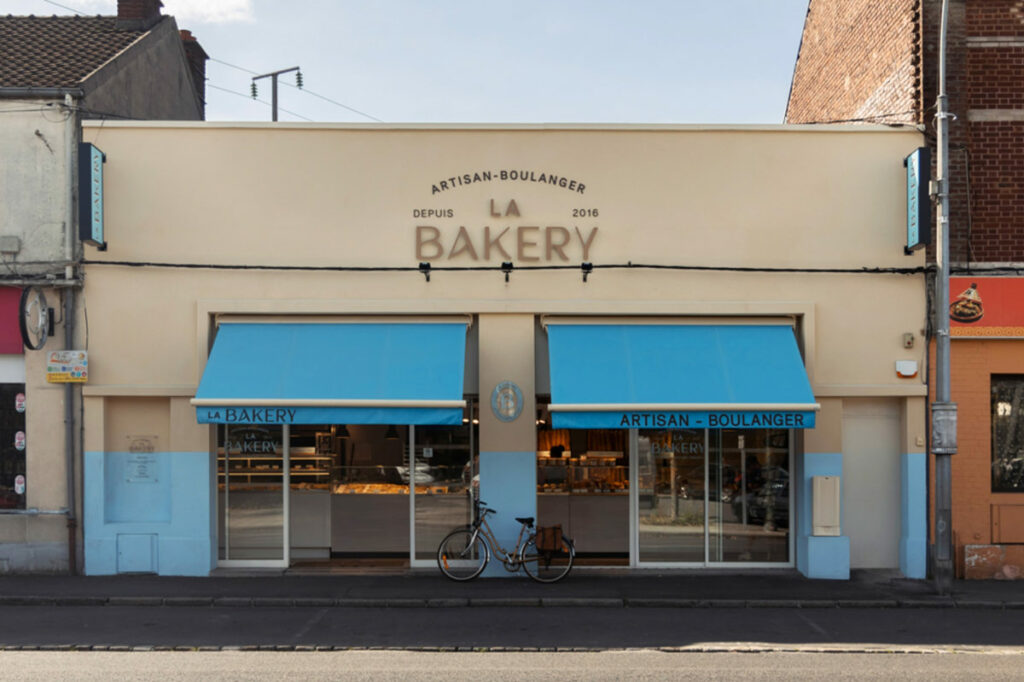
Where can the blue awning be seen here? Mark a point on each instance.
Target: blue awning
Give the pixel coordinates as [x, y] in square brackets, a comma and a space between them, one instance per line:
[677, 376]
[334, 373]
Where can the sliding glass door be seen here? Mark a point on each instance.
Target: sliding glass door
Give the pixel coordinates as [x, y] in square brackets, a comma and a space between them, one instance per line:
[252, 484]
[712, 497]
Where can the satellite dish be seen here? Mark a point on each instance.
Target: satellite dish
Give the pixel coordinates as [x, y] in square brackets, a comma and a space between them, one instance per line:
[34, 318]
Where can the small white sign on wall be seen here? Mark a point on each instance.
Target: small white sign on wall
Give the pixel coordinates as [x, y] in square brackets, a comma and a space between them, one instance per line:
[142, 463]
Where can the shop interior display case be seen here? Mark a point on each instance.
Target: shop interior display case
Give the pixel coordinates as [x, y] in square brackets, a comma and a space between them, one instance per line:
[583, 484]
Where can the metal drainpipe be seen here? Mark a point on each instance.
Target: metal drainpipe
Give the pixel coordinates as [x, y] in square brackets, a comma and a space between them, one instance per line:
[71, 147]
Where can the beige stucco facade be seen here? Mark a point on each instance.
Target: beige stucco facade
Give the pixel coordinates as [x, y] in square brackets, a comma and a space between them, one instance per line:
[784, 219]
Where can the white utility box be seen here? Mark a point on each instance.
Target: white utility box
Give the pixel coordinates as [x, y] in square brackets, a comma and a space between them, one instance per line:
[825, 505]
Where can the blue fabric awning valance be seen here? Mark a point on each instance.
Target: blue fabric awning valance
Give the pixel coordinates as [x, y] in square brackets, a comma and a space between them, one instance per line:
[677, 376]
[334, 373]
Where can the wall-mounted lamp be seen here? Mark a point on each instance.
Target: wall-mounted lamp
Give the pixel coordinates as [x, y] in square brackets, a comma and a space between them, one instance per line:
[506, 267]
[587, 268]
[425, 270]
[342, 432]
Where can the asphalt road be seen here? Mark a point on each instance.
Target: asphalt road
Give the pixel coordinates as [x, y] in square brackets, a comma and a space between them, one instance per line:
[490, 628]
[402, 665]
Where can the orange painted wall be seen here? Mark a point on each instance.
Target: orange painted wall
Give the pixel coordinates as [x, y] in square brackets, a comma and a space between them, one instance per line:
[972, 362]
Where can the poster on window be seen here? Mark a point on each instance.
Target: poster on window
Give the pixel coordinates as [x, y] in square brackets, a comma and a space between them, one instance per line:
[13, 446]
[989, 307]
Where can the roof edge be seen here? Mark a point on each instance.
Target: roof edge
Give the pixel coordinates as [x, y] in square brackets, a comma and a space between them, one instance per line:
[472, 127]
[48, 93]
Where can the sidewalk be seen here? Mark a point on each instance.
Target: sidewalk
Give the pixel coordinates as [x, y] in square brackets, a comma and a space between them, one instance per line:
[583, 588]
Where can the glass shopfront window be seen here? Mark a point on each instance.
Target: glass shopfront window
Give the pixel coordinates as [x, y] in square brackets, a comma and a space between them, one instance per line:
[1007, 433]
[583, 485]
[250, 467]
[749, 496]
[712, 496]
[447, 480]
[347, 490]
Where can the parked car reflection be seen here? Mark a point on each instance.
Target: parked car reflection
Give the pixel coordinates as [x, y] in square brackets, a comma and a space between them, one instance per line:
[768, 501]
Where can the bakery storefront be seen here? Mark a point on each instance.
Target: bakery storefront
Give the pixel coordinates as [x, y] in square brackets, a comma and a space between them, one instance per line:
[317, 344]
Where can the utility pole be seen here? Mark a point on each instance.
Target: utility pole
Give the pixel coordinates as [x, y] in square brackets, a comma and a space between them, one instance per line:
[943, 411]
[273, 80]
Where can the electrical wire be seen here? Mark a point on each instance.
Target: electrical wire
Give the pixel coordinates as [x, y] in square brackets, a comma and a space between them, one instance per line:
[302, 89]
[866, 119]
[517, 268]
[70, 9]
[261, 101]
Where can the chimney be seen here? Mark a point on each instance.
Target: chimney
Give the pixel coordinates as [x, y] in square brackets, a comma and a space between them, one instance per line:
[138, 15]
[197, 57]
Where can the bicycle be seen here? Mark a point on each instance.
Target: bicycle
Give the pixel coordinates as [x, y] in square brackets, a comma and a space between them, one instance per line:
[465, 552]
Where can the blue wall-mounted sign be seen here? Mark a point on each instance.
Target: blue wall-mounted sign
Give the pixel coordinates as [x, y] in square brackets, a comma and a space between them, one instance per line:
[697, 419]
[90, 195]
[507, 401]
[919, 202]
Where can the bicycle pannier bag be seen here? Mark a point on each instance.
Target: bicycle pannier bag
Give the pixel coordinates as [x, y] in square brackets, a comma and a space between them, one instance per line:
[549, 539]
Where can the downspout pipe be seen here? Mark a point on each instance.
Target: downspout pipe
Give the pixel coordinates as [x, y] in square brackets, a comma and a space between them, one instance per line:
[71, 128]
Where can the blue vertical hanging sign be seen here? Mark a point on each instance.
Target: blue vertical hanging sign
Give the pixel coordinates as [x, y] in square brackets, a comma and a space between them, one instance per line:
[90, 195]
[919, 203]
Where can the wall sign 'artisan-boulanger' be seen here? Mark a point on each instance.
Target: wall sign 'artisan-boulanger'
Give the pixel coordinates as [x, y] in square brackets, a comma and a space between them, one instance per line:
[505, 229]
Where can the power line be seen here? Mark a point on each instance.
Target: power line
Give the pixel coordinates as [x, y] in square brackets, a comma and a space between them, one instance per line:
[303, 89]
[867, 119]
[70, 9]
[261, 101]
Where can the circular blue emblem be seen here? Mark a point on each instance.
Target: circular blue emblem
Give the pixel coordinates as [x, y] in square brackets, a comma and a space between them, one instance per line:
[507, 401]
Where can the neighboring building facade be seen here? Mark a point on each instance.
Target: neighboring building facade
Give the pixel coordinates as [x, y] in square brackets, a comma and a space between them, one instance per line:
[55, 72]
[315, 342]
[878, 62]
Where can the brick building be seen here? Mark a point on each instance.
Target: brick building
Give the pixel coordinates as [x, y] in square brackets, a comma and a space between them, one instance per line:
[863, 61]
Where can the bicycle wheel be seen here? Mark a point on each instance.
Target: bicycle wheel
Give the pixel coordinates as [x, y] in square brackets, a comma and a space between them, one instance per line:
[462, 555]
[547, 567]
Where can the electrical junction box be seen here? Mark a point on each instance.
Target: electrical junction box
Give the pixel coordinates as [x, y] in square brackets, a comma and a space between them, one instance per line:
[825, 493]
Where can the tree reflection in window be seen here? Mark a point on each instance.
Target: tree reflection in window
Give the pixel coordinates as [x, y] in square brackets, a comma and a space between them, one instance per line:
[1007, 433]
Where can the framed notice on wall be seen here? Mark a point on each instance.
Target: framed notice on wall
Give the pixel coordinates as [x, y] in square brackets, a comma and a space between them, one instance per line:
[67, 366]
[986, 307]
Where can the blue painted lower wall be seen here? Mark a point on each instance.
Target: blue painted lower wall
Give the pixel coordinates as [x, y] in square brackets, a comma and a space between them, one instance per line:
[148, 513]
[914, 515]
[819, 557]
[508, 484]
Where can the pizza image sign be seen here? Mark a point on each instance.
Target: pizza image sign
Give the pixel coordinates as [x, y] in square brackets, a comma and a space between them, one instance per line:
[986, 307]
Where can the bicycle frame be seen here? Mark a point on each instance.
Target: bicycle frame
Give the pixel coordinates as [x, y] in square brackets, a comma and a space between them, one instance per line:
[510, 560]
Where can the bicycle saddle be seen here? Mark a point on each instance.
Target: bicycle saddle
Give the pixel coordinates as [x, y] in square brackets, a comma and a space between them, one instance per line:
[528, 520]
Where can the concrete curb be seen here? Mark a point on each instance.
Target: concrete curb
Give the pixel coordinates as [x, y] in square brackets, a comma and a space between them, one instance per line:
[505, 602]
[695, 649]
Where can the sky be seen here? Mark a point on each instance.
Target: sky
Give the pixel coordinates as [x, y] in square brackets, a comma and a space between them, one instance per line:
[484, 61]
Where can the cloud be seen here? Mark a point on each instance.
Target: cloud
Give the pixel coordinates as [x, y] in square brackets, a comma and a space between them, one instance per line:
[210, 11]
[192, 11]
